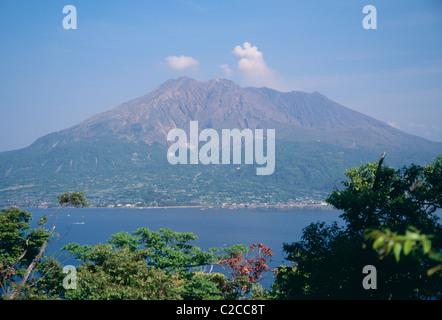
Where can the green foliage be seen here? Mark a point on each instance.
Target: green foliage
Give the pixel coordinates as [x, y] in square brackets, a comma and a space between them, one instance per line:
[322, 268]
[122, 274]
[164, 249]
[289, 283]
[47, 281]
[13, 225]
[19, 247]
[172, 250]
[23, 266]
[74, 199]
[329, 259]
[375, 195]
[153, 265]
[412, 243]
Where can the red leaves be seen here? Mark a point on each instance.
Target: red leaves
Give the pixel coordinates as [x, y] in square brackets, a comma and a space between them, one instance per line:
[250, 268]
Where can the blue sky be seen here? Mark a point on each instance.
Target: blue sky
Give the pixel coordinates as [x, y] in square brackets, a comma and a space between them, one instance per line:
[52, 78]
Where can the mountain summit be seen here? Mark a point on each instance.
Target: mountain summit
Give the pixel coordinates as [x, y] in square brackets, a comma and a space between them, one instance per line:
[119, 156]
[220, 103]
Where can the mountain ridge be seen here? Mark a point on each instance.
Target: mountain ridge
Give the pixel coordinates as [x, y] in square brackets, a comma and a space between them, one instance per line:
[119, 156]
[220, 103]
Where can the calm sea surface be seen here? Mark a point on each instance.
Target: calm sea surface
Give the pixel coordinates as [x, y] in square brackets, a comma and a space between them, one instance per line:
[214, 227]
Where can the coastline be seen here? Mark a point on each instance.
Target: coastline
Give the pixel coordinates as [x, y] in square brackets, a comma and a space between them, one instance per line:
[321, 205]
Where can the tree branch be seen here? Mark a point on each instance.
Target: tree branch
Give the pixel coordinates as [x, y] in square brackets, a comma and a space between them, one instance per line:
[31, 266]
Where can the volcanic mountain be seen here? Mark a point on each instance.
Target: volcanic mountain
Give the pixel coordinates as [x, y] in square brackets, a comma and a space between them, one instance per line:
[119, 157]
[220, 103]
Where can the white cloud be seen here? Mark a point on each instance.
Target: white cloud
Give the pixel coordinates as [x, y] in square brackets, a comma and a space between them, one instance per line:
[226, 69]
[393, 124]
[254, 69]
[181, 62]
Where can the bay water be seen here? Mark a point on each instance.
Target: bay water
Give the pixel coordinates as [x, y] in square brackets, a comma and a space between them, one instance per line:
[215, 227]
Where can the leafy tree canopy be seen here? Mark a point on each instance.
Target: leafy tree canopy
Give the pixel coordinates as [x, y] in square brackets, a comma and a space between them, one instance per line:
[376, 201]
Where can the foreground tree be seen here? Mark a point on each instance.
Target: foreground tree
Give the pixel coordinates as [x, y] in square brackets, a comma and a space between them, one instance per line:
[413, 243]
[22, 262]
[328, 261]
[163, 265]
[143, 265]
